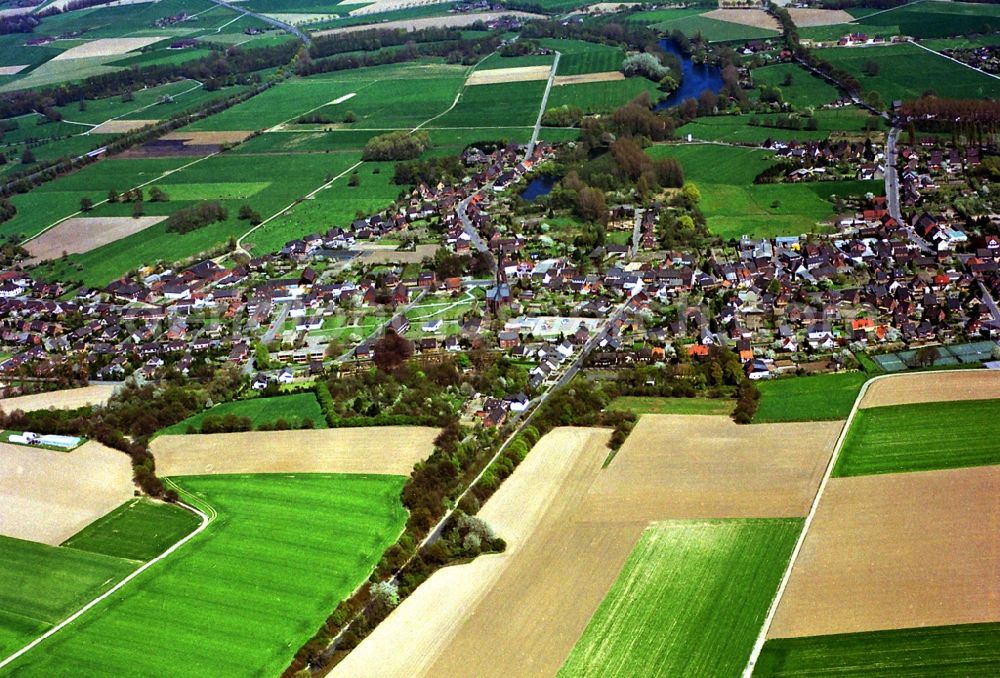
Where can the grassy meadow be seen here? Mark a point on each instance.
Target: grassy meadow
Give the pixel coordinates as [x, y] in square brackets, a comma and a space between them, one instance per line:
[806, 89]
[823, 397]
[139, 529]
[243, 595]
[261, 411]
[644, 405]
[952, 651]
[921, 437]
[898, 63]
[602, 97]
[734, 205]
[689, 600]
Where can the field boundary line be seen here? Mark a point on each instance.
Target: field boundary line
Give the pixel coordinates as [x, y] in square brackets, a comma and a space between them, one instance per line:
[960, 63]
[882, 11]
[206, 518]
[766, 627]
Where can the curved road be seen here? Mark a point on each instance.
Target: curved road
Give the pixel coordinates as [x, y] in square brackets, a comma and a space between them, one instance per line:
[268, 20]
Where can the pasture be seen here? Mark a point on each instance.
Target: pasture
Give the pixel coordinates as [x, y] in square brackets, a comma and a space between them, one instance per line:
[644, 405]
[663, 617]
[898, 63]
[287, 548]
[601, 97]
[937, 436]
[292, 408]
[504, 105]
[343, 450]
[805, 89]
[45, 584]
[960, 650]
[579, 57]
[139, 529]
[821, 397]
[733, 205]
[896, 551]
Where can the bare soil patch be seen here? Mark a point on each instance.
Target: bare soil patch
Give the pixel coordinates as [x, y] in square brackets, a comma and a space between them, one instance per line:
[12, 70]
[570, 526]
[106, 47]
[385, 449]
[82, 234]
[610, 7]
[389, 256]
[50, 496]
[930, 387]
[494, 76]
[121, 126]
[428, 22]
[898, 551]
[66, 399]
[757, 18]
[693, 466]
[608, 76]
[805, 17]
[189, 138]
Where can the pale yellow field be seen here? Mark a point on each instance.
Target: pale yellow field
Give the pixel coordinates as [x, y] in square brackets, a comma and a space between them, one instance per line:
[50, 496]
[608, 76]
[384, 449]
[82, 234]
[106, 47]
[804, 17]
[757, 18]
[121, 126]
[66, 399]
[12, 70]
[929, 387]
[898, 551]
[494, 76]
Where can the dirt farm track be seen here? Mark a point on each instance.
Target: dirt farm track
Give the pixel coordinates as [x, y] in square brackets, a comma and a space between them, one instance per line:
[570, 526]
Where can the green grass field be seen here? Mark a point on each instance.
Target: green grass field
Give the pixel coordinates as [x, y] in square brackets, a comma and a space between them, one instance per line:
[737, 128]
[824, 397]
[602, 97]
[644, 405]
[898, 63]
[504, 105]
[689, 600]
[806, 89]
[733, 205]
[579, 56]
[921, 437]
[139, 529]
[946, 651]
[42, 585]
[292, 408]
[243, 595]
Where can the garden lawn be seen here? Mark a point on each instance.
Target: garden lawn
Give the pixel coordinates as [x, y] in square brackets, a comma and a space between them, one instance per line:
[962, 650]
[241, 597]
[901, 64]
[921, 437]
[689, 600]
[42, 585]
[139, 529]
[648, 405]
[823, 397]
[261, 411]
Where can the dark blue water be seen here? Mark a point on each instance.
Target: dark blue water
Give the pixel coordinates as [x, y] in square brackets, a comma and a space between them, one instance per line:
[539, 186]
[696, 78]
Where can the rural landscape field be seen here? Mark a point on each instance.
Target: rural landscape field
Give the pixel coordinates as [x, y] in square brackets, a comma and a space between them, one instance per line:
[496, 338]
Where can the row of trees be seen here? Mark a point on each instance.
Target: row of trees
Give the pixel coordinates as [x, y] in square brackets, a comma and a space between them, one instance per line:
[189, 219]
[399, 145]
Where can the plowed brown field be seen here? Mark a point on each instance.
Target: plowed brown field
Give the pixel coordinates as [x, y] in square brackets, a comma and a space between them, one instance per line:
[898, 551]
[929, 387]
[386, 449]
[66, 399]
